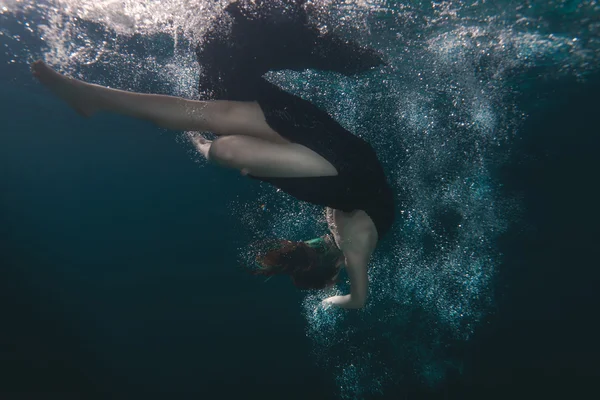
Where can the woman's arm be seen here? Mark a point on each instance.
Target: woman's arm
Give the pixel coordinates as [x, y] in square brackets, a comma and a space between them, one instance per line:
[356, 267]
[357, 256]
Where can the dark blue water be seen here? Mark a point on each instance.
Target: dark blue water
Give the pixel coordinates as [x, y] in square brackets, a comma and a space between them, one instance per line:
[113, 281]
[120, 272]
[541, 340]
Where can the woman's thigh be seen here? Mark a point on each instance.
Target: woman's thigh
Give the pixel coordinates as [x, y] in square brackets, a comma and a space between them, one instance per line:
[226, 118]
[263, 158]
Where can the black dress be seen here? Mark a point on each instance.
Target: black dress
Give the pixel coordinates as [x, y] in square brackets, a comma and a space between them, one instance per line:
[254, 37]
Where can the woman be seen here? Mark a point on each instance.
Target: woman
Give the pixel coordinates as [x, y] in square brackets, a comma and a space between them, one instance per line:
[271, 135]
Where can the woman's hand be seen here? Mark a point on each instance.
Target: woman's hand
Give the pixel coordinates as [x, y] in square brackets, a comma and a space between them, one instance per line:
[341, 301]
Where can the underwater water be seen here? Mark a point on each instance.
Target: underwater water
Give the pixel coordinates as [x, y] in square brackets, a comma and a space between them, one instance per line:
[121, 249]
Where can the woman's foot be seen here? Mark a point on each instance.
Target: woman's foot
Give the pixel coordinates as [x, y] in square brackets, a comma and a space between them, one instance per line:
[79, 95]
[200, 143]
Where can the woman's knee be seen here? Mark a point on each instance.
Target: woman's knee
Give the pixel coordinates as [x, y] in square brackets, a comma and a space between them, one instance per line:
[225, 151]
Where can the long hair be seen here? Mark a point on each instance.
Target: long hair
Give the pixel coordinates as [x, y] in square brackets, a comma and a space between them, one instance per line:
[308, 267]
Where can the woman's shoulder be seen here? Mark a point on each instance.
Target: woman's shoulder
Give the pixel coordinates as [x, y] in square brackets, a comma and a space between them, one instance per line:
[356, 230]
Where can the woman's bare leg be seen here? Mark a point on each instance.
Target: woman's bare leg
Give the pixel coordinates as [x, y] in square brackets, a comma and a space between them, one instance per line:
[248, 143]
[261, 158]
[220, 117]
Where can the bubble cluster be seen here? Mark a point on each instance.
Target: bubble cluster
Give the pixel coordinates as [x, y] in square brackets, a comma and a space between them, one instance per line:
[440, 114]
